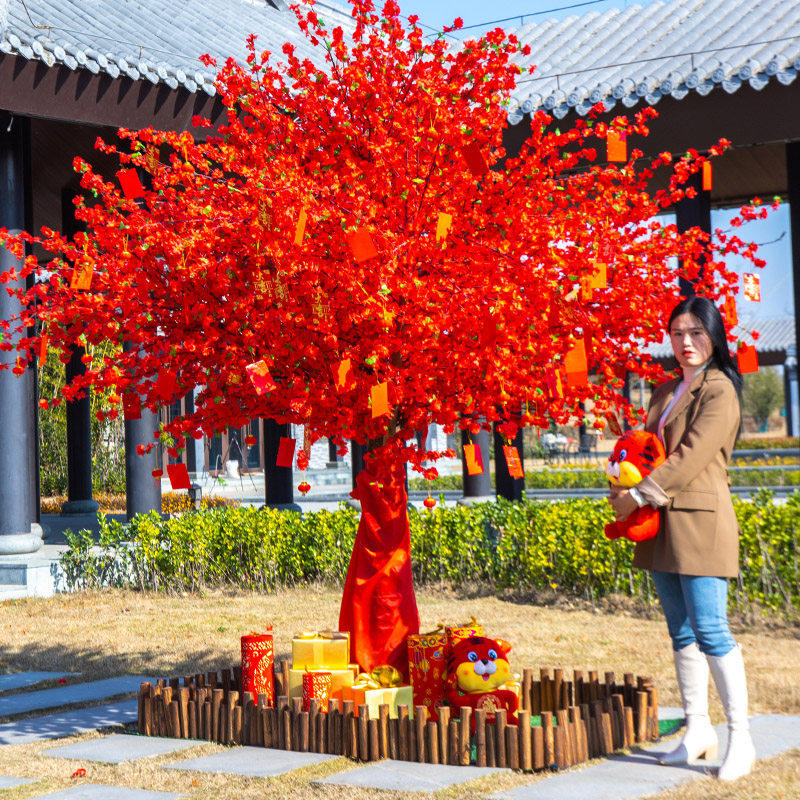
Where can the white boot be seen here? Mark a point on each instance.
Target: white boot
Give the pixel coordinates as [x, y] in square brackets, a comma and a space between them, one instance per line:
[728, 672]
[700, 739]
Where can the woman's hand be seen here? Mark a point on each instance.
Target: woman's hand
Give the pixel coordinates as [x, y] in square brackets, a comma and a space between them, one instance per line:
[622, 502]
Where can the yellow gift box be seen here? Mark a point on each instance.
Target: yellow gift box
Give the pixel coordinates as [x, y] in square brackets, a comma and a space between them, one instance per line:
[339, 679]
[393, 696]
[321, 650]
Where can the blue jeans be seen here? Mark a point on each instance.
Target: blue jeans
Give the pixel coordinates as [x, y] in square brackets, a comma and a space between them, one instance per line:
[696, 608]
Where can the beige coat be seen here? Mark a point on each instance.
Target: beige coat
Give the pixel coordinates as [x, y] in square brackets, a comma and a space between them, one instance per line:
[699, 534]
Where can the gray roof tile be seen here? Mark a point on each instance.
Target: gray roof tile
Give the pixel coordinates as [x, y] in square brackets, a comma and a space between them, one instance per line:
[152, 40]
[640, 54]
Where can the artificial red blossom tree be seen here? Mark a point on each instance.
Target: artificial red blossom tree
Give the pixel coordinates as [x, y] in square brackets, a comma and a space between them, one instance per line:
[355, 252]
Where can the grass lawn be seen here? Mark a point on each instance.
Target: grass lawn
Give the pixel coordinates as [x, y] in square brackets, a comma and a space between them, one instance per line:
[102, 634]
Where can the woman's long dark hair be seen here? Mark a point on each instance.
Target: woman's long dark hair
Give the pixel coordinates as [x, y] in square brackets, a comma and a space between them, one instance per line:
[711, 319]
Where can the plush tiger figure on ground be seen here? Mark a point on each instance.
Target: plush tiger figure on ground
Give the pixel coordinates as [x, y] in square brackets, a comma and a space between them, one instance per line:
[477, 668]
[636, 454]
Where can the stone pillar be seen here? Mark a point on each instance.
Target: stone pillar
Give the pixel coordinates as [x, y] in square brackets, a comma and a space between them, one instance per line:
[508, 487]
[790, 392]
[278, 490]
[793, 179]
[79, 446]
[18, 464]
[143, 491]
[477, 488]
[693, 212]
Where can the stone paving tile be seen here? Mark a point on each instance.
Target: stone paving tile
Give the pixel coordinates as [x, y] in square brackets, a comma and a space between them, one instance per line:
[65, 723]
[8, 782]
[18, 680]
[257, 762]
[96, 791]
[66, 695]
[402, 776]
[639, 774]
[119, 747]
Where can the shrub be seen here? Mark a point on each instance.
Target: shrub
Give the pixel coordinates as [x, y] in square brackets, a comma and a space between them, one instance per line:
[523, 547]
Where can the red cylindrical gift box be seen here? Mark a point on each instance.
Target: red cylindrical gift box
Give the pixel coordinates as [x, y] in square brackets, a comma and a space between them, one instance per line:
[257, 665]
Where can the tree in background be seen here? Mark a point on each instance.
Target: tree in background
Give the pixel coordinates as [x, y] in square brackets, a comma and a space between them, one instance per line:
[355, 252]
[762, 394]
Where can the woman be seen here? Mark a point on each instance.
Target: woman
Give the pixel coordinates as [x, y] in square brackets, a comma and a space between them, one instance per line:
[696, 550]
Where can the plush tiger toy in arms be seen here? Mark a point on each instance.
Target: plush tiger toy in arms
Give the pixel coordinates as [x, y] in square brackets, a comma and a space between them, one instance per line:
[637, 454]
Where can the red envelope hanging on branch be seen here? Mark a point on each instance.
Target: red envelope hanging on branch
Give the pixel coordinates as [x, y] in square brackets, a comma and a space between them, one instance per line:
[752, 287]
[165, 384]
[130, 183]
[513, 461]
[575, 365]
[747, 358]
[258, 373]
[178, 476]
[285, 452]
[707, 176]
[475, 160]
[617, 146]
[474, 459]
[342, 373]
[731, 316]
[380, 399]
[131, 406]
[361, 245]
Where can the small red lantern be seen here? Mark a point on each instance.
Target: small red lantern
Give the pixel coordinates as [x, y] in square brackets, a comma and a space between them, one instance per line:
[429, 502]
[250, 440]
[304, 488]
[157, 473]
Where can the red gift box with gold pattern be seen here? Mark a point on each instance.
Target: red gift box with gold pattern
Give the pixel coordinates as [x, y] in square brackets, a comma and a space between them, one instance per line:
[427, 668]
[257, 664]
[316, 686]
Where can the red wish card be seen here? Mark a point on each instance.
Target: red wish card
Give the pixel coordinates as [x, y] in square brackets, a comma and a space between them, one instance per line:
[258, 373]
[473, 458]
[300, 230]
[342, 374]
[513, 461]
[554, 383]
[731, 317]
[43, 348]
[706, 176]
[165, 384]
[475, 160]
[747, 357]
[575, 365]
[752, 287]
[131, 406]
[178, 477]
[380, 399]
[361, 245]
[443, 226]
[130, 183]
[285, 452]
[82, 275]
[617, 146]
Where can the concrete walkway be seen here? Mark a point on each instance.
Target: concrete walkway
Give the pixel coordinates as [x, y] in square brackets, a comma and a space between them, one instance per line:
[625, 777]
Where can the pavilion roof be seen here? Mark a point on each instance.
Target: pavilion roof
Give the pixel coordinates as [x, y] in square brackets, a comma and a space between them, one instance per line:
[153, 40]
[641, 54]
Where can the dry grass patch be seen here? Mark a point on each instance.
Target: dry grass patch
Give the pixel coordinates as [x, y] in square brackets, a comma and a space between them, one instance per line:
[101, 634]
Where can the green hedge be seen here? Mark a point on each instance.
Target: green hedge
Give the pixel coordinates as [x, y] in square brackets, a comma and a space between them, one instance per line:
[524, 547]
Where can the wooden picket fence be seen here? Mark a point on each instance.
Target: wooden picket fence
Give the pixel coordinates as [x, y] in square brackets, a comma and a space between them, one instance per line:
[582, 718]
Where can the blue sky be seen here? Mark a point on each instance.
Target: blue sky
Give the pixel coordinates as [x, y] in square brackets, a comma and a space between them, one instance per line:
[776, 277]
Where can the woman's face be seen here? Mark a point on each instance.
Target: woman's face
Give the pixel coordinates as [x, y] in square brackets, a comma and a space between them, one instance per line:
[690, 341]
